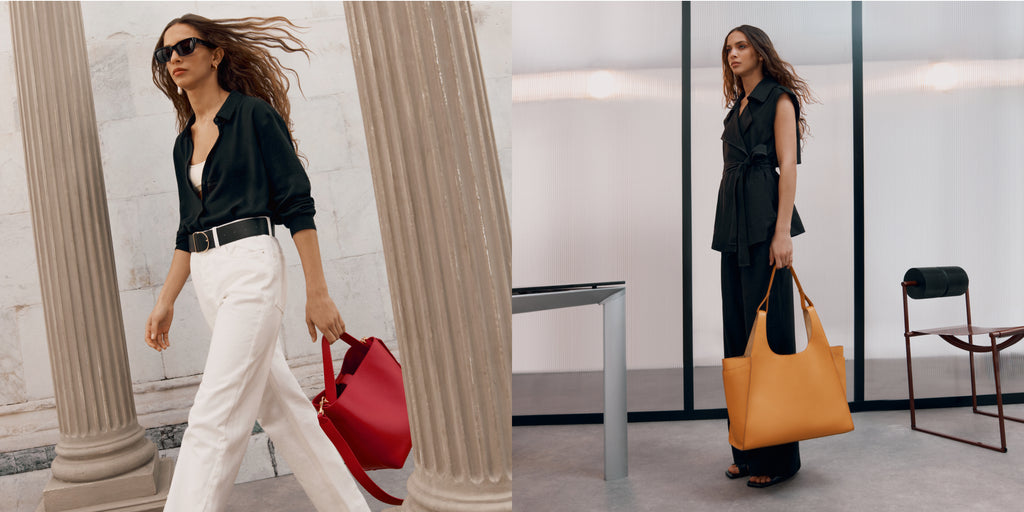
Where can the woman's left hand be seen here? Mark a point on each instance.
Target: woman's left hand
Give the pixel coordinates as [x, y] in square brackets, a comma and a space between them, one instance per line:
[781, 252]
[322, 314]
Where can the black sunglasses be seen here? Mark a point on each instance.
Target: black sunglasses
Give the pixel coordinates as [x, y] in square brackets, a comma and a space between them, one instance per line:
[183, 47]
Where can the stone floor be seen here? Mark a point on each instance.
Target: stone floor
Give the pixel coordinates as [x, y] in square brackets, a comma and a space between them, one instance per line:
[256, 488]
[882, 465]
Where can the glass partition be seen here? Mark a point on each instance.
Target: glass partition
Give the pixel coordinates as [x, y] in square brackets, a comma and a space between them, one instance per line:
[815, 37]
[943, 103]
[595, 195]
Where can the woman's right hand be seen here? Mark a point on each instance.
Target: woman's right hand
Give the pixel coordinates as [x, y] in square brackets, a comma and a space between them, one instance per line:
[158, 325]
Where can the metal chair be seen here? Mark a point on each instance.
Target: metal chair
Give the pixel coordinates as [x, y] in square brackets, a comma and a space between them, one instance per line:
[932, 282]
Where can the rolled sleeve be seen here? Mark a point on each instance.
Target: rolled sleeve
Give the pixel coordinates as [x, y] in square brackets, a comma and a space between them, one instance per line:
[290, 199]
[178, 155]
[181, 240]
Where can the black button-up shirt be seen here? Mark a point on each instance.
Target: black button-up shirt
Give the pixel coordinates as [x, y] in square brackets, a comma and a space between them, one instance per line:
[251, 171]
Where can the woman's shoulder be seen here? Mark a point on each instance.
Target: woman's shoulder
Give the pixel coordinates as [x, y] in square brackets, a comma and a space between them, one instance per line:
[778, 90]
[775, 89]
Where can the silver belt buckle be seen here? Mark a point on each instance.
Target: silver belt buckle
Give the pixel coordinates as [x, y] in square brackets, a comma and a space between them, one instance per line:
[195, 240]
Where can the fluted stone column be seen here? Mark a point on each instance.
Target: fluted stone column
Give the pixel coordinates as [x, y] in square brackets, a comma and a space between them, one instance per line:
[447, 244]
[103, 461]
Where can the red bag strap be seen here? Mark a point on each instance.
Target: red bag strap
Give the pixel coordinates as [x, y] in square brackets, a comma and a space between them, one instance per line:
[353, 464]
[330, 392]
[330, 389]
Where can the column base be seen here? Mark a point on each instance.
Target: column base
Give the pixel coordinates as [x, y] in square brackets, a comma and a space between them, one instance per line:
[429, 494]
[141, 490]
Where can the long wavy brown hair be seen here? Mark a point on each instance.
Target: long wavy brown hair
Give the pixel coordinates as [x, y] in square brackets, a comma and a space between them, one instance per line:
[774, 67]
[248, 65]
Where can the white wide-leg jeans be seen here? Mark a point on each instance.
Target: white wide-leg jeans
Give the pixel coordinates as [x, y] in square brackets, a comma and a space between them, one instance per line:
[241, 289]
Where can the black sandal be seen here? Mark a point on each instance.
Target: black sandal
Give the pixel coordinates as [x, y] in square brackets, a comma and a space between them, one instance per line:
[773, 481]
[744, 471]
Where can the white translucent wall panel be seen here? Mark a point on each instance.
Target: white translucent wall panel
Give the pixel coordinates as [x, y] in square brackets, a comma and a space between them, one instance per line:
[803, 32]
[596, 190]
[815, 38]
[559, 36]
[597, 196]
[943, 174]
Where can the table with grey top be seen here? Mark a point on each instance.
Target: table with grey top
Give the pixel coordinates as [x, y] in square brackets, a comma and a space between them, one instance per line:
[612, 297]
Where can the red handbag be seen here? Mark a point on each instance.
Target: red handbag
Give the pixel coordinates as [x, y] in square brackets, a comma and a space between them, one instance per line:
[363, 411]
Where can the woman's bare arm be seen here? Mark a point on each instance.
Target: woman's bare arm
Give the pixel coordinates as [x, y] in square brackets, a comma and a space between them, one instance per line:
[158, 325]
[321, 312]
[786, 149]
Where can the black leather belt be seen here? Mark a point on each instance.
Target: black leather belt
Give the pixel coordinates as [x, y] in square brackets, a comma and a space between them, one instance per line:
[202, 241]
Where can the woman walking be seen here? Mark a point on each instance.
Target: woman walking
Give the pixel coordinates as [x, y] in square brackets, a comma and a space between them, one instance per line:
[238, 176]
[755, 217]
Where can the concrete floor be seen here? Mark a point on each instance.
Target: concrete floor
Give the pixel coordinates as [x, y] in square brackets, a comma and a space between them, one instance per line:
[679, 466]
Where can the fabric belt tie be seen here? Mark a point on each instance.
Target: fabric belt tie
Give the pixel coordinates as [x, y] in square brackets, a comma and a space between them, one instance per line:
[742, 237]
[202, 241]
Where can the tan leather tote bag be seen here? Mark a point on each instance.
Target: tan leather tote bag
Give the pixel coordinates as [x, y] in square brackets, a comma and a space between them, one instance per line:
[776, 399]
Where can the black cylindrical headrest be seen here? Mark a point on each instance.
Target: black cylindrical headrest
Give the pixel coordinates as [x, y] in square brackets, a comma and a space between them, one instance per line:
[936, 282]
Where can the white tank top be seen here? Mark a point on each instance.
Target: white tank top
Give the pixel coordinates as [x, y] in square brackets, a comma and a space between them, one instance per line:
[195, 175]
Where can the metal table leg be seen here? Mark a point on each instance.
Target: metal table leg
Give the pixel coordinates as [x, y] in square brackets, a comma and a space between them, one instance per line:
[615, 440]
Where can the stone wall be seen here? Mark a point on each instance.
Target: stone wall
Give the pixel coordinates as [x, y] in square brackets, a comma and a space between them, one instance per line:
[137, 128]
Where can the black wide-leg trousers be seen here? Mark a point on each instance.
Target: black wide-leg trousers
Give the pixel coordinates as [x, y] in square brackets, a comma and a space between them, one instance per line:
[743, 288]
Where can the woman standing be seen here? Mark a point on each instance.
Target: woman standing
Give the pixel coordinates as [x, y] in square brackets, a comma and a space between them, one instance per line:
[755, 218]
[238, 175]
